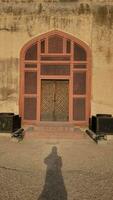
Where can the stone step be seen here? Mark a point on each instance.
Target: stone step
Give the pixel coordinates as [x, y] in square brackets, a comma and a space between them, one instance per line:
[55, 135]
[51, 128]
[54, 131]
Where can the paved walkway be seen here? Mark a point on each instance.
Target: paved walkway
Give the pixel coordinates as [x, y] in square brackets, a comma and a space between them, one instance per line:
[56, 169]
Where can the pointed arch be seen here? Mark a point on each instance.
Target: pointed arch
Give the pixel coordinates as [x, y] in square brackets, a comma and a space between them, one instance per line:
[52, 33]
[55, 55]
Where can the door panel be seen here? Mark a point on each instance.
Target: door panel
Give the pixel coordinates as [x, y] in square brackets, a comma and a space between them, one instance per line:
[79, 109]
[61, 101]
[30, 107]
[54, 100]
[79, 83]
[80, 97]
[30, 83]
[47, 100]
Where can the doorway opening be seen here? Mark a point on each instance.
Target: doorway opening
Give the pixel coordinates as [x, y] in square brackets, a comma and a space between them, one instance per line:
[54, 100]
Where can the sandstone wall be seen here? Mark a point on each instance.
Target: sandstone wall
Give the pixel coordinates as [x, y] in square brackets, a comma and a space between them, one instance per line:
[89, 20]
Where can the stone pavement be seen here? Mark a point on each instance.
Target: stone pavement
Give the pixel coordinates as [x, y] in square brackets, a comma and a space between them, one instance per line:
[32, 169]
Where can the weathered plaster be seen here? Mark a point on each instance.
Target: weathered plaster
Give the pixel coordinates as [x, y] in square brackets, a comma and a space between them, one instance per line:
[89, 20]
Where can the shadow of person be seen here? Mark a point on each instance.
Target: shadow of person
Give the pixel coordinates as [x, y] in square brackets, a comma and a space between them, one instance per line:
[54, 188]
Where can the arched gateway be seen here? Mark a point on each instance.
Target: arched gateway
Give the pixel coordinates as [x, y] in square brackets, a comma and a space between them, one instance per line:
[55, 79]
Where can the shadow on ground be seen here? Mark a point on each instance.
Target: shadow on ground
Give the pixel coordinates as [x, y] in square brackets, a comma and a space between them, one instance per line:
[54, 187]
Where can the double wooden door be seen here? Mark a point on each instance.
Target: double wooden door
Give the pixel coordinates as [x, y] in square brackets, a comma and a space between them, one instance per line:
[54, 100]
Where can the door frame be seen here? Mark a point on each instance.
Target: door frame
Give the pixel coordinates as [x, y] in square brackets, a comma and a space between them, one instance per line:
[70, 77]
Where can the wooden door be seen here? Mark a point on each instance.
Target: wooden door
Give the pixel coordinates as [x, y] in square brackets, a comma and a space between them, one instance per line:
[54, 100]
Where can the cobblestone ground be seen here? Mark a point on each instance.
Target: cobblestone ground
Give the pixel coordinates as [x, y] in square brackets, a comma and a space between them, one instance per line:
[86, 172]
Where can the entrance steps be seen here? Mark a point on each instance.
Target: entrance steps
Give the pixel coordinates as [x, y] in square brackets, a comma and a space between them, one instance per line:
[54, 130]
[52, 127]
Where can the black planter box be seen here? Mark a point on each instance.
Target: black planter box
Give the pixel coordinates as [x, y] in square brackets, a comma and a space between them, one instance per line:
[101, 124]
[9, 122]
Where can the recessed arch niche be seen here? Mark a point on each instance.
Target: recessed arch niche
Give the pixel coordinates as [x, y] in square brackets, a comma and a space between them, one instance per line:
[55, 79]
